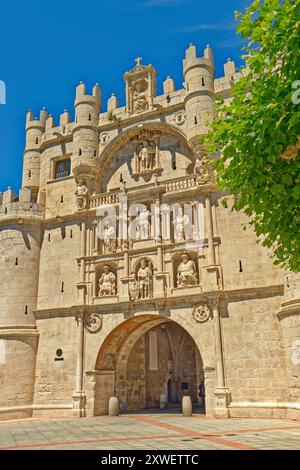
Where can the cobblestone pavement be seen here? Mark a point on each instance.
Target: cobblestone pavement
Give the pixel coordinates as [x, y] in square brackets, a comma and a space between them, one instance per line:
[150, 432]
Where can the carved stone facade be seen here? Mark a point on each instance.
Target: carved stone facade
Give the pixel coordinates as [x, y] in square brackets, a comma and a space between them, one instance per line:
[131, 265]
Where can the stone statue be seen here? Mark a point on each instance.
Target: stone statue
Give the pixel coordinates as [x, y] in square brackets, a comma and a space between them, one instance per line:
[82, 194]
[139, 99]
[144, 278]
[181, 222]
[201, 170]
[186, 272]
[107, 283]
[145, 156]
[109, 238]
[143, 225]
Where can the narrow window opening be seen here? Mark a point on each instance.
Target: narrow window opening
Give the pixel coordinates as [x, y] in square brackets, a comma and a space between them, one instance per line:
[95, 153]
[174, 165]
[196, 120]
[62, 286]
[61, 199]
[26, 310]
[203, 81]
[71, 233]
[90, 117]
[49, 237]
[29, 174]
[5, 210]
[241, 266]
[168, 99]
[79, 152]
[37, 140]
[17, 261]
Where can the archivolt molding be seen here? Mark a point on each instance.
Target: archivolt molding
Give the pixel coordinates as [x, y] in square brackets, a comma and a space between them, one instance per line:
[121, 139]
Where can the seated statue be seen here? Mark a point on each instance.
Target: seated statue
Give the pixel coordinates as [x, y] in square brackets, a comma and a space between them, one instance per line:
[186, 272]
[107, 283]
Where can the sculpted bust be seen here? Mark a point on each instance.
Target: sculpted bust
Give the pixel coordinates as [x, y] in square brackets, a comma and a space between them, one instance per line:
[186, 272]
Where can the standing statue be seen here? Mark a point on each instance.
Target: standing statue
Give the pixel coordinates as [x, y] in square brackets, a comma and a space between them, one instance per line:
[145, 154]
[82, 194]
[143, 225]
[186, 272]
[109, 238]
[139, 99]
[144, 279]
[107, 283]
[181, 223]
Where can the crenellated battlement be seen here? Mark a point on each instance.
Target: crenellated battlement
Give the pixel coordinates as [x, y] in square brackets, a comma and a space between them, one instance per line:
[11, 206]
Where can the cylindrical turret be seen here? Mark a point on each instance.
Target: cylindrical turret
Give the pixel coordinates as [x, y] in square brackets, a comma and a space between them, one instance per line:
[19, 255]
[199, 99]
[85, 161]
[31, 166]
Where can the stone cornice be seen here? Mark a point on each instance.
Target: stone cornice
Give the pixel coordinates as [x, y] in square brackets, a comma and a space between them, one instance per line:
[163, 303]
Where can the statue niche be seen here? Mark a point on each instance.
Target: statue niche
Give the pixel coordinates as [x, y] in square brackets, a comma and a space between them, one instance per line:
[139, 97]
[142, 285]
[107, 282]
[146, 154]
[186, 273]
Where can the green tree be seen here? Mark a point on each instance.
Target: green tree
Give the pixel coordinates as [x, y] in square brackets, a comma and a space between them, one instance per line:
[257, 134]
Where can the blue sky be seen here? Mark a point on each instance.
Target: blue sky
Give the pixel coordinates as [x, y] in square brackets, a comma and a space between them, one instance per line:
[46, 48]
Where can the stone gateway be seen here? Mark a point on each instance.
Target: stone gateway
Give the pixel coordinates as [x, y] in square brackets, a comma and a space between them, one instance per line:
[123, 274]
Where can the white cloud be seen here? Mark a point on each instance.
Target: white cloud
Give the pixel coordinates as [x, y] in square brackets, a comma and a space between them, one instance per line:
[206, 27]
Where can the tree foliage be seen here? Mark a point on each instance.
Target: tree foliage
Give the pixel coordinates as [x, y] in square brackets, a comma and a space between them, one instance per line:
[261, 122]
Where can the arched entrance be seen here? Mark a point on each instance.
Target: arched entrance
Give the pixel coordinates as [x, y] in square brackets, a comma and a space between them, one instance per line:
[143, 358]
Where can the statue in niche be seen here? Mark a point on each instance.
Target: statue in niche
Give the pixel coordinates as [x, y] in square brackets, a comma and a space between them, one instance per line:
[146, 155]
[140, 103]
[107, 283]
[82, 194]
[144, 279]
[143, 225]
[186, 272]
[109, 238]
[181, 223]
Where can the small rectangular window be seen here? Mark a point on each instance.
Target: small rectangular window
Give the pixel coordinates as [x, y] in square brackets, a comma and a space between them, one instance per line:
[62, 168]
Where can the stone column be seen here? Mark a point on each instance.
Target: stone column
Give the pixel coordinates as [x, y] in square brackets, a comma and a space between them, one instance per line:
[221, 392]
[209, 232]
[79, 395]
